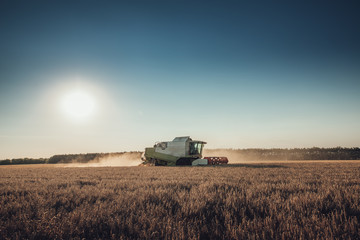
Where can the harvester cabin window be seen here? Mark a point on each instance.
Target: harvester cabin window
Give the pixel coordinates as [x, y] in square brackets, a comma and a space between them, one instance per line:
[195, 148]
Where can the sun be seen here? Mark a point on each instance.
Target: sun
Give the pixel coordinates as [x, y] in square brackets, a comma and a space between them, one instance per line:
[78, 105]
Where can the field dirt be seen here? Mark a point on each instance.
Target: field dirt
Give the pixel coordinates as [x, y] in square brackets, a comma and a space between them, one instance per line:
[263, 200]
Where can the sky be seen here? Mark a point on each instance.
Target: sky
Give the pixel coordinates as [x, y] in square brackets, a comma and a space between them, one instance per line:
[110, 76]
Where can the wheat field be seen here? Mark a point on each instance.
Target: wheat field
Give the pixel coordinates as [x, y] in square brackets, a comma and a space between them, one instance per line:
[319, 200]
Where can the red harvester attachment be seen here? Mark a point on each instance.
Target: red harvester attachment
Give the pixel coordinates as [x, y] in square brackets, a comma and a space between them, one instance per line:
[217, 160]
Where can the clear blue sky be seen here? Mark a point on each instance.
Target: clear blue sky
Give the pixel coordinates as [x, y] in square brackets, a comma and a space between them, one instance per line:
[233, 73]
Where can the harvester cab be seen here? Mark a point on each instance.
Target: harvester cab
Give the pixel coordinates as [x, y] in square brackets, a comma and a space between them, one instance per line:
[180, 151]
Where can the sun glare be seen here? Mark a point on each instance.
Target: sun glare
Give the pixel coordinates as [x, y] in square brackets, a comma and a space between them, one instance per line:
[78, 105]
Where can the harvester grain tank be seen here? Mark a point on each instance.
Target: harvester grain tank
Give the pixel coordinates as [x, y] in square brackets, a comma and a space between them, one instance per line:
[180, 151]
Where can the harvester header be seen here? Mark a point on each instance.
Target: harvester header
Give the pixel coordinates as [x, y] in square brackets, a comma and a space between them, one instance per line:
[180, 151]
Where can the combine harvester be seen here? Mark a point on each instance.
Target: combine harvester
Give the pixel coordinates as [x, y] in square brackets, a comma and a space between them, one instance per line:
[180, 151]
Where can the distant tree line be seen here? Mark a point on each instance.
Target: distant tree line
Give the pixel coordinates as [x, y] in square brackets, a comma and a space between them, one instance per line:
[24, 161]
[315, 153]
[74, 158]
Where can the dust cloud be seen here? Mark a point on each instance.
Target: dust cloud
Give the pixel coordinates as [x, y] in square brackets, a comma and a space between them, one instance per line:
[128, 159]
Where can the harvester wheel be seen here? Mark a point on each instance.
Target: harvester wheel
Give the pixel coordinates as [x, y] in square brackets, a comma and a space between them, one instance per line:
[183, 162]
